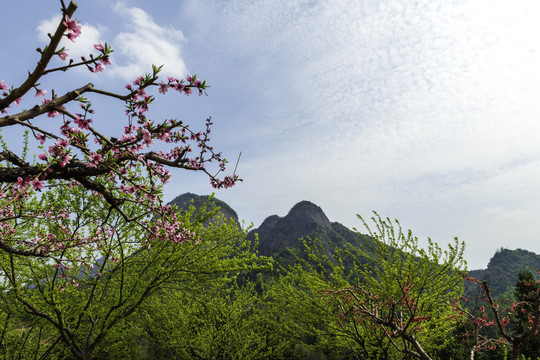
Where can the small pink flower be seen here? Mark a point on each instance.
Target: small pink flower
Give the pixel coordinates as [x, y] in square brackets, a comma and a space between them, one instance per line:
[99, 68]
[163, 88]
[106, 60]
[82, 123]
[42, 156]
[96, 158]
[63, 143]
[20, 183]
[73, 28]
[41, 138]
[179, 87]
[40, 92]
[3, 85]
[63, 55]
[138, 80]
[37, 184]
[72, 36]
[99, 46]
[141, 92]
[65, 160]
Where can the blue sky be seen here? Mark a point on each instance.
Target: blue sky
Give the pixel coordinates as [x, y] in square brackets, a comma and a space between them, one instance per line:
[424, 111]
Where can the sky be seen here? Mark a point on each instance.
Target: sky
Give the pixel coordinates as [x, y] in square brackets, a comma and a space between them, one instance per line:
[423, 111]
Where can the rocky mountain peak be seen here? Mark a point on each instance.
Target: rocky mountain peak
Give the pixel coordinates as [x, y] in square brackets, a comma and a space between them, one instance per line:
[277, 233]
[309, 214]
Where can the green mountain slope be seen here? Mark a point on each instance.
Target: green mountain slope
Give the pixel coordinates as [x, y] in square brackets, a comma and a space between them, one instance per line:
[503, 268]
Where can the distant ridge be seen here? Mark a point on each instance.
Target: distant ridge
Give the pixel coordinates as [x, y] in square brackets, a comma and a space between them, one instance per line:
[305, 219]
[503, 268]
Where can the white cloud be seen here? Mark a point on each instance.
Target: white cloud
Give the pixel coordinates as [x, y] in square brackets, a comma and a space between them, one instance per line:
[139, 44]
[146, 43]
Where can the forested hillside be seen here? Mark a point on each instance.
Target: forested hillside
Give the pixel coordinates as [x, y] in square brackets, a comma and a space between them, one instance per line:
[503, 268]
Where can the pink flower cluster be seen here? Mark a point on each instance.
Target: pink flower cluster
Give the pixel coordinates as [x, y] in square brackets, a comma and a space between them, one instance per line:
[73, 28]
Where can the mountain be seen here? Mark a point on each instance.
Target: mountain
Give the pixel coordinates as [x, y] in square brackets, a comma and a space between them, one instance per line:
[185, 200]
[276, 233]
[503, 268]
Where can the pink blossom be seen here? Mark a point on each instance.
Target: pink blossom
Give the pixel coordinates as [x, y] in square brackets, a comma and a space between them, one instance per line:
[138, 80]
[63, 143]
[53, 113]
[63, 55]
[179, 87]
[106, 60]
[141, 92]
[41, 138]
[164, 136]
[73, 28]
[3, 85]
[96, 158]
[163, 88]
[72, 36]
[99, 46]
[147, 137]
[99, 68]
[65, 160]
[42, 156]
[82, 123]
[71, 25]
[20, 183]
[53, 149]
[37, 184]
[40, 92]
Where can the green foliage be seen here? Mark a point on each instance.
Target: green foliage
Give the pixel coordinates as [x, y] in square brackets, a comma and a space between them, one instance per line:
[82, 308]
[504, 267]
[524, 292]
[395, 287]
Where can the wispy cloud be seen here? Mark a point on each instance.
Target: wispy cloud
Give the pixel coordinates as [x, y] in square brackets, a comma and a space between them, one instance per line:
[404, 107]
[143, 43]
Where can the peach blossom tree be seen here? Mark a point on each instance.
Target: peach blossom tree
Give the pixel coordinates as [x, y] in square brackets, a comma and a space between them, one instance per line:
[78, 153]
[85, 237]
